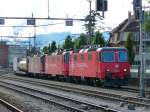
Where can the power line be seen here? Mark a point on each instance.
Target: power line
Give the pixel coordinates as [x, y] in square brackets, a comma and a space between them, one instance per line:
[45, 25]
[42, 18]
[9, 36]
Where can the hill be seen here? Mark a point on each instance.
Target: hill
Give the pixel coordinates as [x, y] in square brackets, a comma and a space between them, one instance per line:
[45, 39]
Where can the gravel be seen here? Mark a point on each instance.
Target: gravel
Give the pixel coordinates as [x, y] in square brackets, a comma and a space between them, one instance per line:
[4, 109]
[26, 103]
[29, 104]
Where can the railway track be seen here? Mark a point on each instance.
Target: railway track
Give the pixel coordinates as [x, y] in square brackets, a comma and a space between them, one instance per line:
[124, 88]
[63, 101]
[9, 106]
[130, 89]
[97, 94]
[135, 90]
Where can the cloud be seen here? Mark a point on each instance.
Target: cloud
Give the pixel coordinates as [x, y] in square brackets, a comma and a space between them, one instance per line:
[117, 12]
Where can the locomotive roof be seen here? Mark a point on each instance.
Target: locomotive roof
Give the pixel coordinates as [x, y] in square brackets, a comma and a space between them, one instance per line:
[110, 48]
[76, 50]
[66, 52]
[97, 49]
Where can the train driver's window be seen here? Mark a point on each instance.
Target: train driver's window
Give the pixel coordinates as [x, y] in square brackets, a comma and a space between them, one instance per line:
[122, 56]
[108, 56]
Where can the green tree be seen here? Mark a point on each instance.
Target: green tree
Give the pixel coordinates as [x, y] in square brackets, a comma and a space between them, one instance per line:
[82, 40]
[50, 48]
[45, 50]
[148, 1]
[53, 47]
[129, 45]
[68, 43]
[91, 22]
[76, 43]
[98, 39]
[147, 22]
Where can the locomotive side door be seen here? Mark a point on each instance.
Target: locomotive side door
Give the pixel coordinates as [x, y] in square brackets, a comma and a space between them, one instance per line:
[42, 63]
[98, 64]
[66, 58]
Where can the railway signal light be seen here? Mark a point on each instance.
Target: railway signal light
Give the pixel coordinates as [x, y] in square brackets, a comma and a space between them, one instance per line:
[69, 22]
[137, 14]
[31, 22]
[101, 5]
[136, 3]
[2, 21]
[137, 10]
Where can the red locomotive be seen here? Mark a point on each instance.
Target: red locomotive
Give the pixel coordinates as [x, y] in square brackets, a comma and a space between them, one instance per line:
[108, 65]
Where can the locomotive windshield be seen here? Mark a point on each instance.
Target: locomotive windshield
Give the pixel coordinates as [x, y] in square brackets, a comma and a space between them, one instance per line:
[122, 56]
[108, 56]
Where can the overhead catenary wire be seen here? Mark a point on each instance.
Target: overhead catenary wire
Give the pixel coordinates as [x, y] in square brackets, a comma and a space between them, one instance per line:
[43, 25]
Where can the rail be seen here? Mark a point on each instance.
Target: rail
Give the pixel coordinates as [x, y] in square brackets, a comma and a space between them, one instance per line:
[9, 106]
[105, 109]
[98, 94]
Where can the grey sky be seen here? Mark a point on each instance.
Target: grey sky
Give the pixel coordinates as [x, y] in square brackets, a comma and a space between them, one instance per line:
[117, 12]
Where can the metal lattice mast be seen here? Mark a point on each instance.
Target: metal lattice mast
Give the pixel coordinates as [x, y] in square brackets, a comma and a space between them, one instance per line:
[142, 89]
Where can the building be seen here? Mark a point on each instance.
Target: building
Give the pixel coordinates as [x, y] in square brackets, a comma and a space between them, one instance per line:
[120, 33]
[15, 51]
[3, 54]
[8, 52]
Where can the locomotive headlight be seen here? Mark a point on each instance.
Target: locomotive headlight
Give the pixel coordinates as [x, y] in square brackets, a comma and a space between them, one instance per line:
[124, 69]
[107, 70]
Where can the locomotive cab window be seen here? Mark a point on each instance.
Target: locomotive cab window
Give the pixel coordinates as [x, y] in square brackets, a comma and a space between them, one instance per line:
[122, 56]
[107, 56]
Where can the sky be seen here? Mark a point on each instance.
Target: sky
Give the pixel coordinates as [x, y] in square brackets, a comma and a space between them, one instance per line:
[117, 12]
